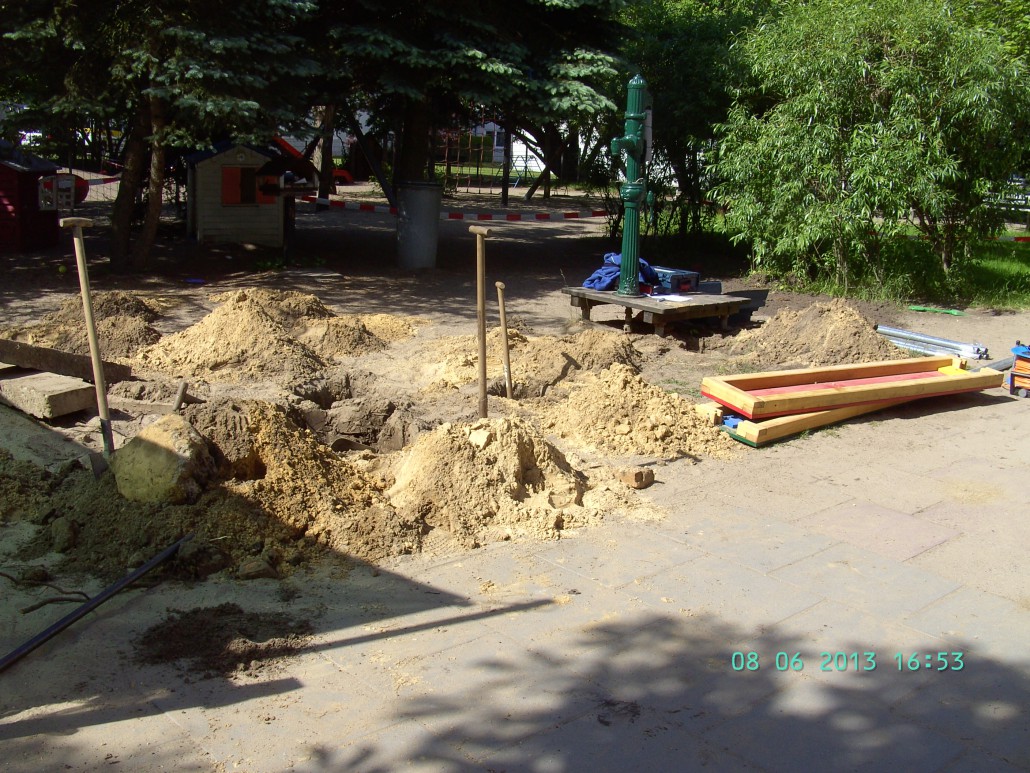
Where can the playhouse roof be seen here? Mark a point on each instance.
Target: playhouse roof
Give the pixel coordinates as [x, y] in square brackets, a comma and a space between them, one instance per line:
[22, 161]
[223, 147]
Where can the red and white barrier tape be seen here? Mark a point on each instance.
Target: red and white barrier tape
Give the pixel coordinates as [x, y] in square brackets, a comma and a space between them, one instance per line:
[455, 215]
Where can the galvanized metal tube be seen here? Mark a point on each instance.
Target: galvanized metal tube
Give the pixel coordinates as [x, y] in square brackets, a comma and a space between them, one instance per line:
[895, 332]
[923, 348]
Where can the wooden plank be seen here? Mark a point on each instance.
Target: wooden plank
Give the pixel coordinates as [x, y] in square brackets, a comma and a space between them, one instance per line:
[55, 361]
[46, 395]
[758, 433]
[823, 397]
[778, 378]
[657, 311]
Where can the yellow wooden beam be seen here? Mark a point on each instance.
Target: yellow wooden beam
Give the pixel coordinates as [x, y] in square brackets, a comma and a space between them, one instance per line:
[760, 432]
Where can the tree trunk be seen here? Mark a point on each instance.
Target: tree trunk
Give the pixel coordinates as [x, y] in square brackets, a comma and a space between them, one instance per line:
[414, 153]
[323, 159]
[141, 251]
[128, 190]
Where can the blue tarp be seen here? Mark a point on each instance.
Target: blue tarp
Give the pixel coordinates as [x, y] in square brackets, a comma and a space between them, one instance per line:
[607, 276]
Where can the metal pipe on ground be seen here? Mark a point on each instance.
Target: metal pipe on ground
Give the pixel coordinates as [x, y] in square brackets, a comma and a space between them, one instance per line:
[105, 595]
[897, 332]
[923, 348]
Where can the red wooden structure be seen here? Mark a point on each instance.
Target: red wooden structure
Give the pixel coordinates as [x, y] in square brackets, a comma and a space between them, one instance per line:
[28, 213]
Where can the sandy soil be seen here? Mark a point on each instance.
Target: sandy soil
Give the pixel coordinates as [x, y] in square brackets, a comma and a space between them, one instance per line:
[341, 400]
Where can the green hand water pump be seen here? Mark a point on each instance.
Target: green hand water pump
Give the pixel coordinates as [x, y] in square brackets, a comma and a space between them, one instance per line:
[634, 190]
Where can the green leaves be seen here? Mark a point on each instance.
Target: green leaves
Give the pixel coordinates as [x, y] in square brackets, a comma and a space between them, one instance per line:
[883, 114]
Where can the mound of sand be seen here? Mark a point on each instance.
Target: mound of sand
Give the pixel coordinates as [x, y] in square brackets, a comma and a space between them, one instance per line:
[122, 320]
[619, 413]
[537, 363]
[238, 341]
[833, 333]
[489, 480]
[284, 494]
[269, 335]
[24, 489]
[319, 494]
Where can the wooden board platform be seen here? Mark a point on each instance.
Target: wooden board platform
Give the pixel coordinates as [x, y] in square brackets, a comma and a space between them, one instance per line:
[657, 312]
[781, 393]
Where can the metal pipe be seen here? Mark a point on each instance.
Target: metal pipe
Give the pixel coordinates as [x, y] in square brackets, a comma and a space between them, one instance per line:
[17, 654]
[895, 332]
[923, 348]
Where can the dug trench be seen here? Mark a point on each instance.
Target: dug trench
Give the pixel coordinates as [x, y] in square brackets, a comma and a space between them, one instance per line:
[325, 437]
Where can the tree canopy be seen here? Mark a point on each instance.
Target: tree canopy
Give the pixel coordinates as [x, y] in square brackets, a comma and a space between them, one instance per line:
[863, 117]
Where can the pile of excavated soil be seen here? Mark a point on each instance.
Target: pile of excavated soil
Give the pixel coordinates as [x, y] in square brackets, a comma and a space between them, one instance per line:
[303, 484]
[223, 641]
[619, 413]
[99, 531]
[282, 498]
[833, 333]
[537, 363]
[24, 489]
[269, 335]
[489, 480]
[122, 320]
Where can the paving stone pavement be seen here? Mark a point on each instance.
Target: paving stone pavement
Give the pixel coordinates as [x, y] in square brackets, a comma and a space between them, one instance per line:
[892, 541]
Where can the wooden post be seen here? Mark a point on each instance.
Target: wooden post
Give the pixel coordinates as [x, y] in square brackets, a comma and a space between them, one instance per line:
[77, 224]
[504, 340]
[481, 234]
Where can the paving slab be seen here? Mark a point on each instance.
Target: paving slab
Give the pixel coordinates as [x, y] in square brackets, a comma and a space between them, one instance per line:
[996, 563]
[889, 486]
[750, 538]
[718, 587]
[833, 729]
[979, 622]
[878, 529]
[987, 706]
[868, 581]
[620, 554]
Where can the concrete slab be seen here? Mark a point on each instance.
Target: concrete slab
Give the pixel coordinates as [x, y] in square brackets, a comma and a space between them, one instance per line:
[833, 729]
[46, 395]
[878, 529]
[994, 563]
[750, 538]
[870, 582]
[979, 622]
[717, 587]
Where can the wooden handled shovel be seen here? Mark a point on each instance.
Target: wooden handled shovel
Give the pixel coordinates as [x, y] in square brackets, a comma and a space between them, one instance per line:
[504, 340]
[77, 224]
[481, 234]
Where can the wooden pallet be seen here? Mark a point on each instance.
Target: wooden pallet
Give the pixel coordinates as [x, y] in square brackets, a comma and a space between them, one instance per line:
[767, 395]
[656, 311]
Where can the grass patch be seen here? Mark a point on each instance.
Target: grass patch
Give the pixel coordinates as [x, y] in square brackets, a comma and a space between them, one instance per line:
[1000, 276]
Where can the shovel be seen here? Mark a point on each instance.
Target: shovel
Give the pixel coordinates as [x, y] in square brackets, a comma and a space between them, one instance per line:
[77, 224]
